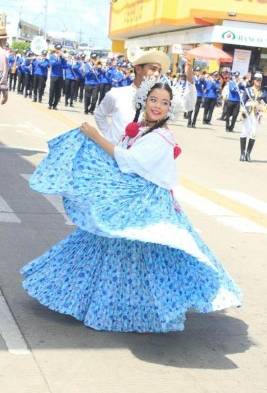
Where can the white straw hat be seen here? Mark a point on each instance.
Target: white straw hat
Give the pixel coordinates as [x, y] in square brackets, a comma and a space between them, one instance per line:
[3, 33]
[151, 57]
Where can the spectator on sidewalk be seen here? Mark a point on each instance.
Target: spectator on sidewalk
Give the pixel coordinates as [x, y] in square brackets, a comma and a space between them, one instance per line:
[3, 63]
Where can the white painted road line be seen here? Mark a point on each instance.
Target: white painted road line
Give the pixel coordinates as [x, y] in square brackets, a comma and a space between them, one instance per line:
[55, 201]
[10, 332]
[6, 213]
[29, 128]
[221, 214]
[18, 147]
[245, 199]
[200, 203]
[242, 225]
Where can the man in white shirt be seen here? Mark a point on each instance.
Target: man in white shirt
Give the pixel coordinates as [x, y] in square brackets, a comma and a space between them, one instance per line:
[3, 62]
[118, 102]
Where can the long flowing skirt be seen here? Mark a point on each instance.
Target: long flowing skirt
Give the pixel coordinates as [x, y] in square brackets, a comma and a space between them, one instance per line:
[135, 263]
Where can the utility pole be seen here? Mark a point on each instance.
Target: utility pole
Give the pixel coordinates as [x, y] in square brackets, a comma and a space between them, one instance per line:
[19, 22]
[45, 19]
[80, 36]
[80, 32]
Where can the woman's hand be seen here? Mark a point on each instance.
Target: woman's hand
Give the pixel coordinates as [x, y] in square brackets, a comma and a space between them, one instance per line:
[89, 130]
[93, 134]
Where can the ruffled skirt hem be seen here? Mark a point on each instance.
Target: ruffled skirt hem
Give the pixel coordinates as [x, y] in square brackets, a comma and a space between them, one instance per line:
[126, 286]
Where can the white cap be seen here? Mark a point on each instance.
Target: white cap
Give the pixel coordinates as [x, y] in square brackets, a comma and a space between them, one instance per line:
[257, 75]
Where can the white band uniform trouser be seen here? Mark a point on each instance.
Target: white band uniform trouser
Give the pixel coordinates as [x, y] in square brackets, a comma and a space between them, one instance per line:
[250, 126]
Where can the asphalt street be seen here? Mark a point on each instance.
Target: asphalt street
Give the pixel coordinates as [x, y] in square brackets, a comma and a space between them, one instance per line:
[42, 351]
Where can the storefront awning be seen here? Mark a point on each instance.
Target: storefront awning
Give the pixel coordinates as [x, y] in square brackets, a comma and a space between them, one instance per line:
[245, 36]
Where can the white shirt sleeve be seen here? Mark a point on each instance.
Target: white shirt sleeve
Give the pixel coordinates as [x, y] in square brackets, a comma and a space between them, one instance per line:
[106, 108]
[151, 157]
[187, 100]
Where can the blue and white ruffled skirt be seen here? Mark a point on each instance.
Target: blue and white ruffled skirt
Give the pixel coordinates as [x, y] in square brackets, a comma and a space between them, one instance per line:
[134, 263]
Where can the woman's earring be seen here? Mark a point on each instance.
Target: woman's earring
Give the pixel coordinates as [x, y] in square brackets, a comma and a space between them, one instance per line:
[144, 116]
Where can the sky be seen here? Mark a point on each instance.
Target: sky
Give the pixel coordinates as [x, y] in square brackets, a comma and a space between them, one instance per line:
[88, 18]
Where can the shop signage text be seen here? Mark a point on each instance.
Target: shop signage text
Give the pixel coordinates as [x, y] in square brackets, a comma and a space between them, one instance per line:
[253, 38]
[253, 1]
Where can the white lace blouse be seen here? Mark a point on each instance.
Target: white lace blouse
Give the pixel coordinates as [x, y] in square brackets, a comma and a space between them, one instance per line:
[150, 156]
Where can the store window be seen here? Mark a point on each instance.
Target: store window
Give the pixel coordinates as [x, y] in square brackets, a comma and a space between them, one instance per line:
[263, 62]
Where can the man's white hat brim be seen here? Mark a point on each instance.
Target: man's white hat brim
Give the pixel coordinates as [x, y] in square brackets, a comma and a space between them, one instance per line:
[152, 57]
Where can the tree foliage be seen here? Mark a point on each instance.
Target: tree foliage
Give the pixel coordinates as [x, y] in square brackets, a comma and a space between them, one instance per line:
[20, 45]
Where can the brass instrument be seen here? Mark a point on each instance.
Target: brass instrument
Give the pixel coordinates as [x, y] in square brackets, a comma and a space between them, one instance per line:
[38, 45]
[14, 68]
[255, 104]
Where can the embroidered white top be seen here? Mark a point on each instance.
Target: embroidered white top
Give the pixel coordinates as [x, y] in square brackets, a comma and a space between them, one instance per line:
[118, 103]
[151, 157]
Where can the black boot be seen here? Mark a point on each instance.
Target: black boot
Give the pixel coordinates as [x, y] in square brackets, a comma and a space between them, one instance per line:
[249, 148]
[227, 125]
[243, 142]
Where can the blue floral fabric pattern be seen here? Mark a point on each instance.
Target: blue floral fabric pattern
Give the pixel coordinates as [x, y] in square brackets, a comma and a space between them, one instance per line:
[111, 272]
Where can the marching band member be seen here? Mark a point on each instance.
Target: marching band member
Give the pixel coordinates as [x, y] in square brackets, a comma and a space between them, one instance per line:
[20, 70]
[212, 90]
[72, 66]
[200, 83]
[104, 85]
[79, 86]
[91, 85]
[254, 102]
[57, 63]
[27, 67]
[126, 75]
[235, 89]
[41, 66]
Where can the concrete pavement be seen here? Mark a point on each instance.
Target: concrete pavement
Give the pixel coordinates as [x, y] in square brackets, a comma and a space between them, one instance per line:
[217, 353]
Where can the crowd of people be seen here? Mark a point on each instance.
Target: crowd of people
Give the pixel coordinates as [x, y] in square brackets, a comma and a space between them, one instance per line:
[87, 79]
[236, 94]
[226, 89]
[76, 76]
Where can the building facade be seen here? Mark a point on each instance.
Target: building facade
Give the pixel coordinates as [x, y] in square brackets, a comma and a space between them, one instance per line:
[237, 26]
[20, 30]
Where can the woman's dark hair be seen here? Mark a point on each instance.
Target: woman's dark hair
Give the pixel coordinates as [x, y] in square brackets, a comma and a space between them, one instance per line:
[158, 85]
[161, 85]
